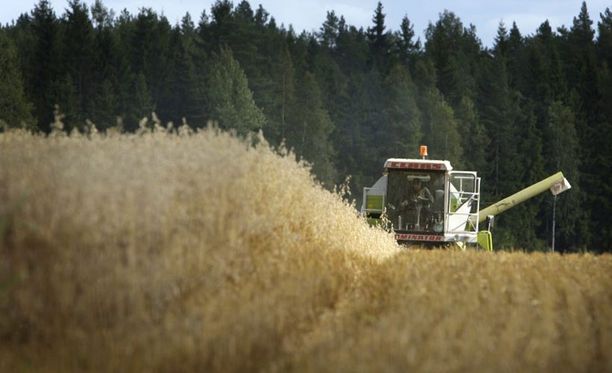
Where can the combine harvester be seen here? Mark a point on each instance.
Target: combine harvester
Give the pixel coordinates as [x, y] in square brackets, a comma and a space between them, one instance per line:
[427, 202]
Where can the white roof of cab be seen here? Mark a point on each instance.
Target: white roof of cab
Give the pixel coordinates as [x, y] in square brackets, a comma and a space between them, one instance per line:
[417, 164]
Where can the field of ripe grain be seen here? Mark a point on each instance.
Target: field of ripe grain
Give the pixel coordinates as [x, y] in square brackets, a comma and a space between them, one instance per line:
[198, 252]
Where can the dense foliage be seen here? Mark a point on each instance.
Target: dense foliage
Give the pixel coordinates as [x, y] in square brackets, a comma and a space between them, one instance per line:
[343, 98]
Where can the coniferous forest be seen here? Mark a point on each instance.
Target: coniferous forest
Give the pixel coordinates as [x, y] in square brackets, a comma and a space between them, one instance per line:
[343, 98]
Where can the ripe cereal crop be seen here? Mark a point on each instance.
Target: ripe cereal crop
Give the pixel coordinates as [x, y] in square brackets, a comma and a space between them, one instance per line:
[197, 251]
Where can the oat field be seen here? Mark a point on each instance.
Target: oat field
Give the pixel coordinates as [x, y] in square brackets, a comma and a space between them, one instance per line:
[199, 252]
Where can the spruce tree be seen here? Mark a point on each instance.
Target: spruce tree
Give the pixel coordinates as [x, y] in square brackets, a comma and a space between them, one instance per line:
[15, 110]
[280, 96]
[604, 38]
[474, 137]
[439, 127]
[352, 139]
[107, 63]
[373, 125]
[44, 67]
[524, 222]
[402, 134]
[181, 95]
[498, 109]
[563, 154]
[514, 58]
[78, 53]
[379, 39]
[311, 135]
[443, 46]
[591, 125]
[582, 68]
[64, 94]
[105, 105]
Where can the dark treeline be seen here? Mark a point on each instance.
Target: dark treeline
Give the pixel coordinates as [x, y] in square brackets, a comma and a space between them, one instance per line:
[343, 98]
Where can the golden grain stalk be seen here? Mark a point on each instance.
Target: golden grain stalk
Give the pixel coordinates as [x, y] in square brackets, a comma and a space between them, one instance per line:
[199, 252]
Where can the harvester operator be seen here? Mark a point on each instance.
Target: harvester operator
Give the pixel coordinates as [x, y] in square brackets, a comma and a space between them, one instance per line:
[419, 200]
[420, 194]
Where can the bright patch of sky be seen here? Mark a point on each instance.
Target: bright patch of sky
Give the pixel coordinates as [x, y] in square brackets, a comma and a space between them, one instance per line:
[309, 15]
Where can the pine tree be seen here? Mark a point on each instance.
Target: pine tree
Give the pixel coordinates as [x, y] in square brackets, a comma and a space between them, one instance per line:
[407, 47]
[101, 16]
[221, 24]
[328, 34]
[261, 16]
[229, 98]
[244, 13]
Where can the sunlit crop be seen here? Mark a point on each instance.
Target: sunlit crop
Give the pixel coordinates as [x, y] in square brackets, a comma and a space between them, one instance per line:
[200, 252]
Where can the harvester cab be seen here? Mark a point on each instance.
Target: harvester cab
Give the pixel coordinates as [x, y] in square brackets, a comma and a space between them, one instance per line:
[427, 201]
